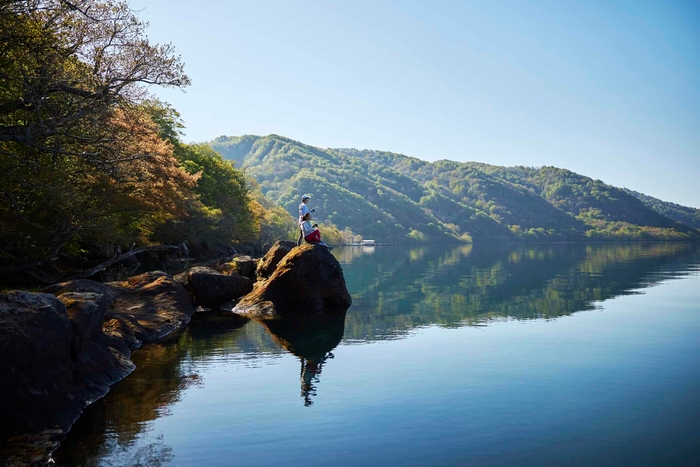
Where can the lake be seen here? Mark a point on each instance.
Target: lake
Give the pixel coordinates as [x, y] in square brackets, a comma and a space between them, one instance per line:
[473, 355]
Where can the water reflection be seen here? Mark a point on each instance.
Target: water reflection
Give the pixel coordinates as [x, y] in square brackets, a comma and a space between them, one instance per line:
[310, 339]
[394, 291]
[110, 427]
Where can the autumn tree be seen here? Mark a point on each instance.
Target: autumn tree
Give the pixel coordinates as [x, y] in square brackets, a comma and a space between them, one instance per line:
[80, 159]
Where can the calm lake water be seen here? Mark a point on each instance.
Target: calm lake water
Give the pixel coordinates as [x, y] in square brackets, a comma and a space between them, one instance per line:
[475, 355]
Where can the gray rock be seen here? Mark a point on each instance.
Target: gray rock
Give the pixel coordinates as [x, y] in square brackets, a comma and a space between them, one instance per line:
[57, 355]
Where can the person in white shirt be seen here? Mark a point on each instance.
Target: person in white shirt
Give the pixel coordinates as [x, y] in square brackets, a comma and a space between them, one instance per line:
[310, 232]
[303, 210]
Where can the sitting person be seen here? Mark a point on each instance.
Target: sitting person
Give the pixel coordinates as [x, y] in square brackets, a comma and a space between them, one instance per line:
[310, 232]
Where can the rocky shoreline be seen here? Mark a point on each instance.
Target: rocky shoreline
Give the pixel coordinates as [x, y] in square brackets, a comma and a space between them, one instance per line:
[62, 349]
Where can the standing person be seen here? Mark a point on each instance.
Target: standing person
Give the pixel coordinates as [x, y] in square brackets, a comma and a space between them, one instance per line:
[303, 210]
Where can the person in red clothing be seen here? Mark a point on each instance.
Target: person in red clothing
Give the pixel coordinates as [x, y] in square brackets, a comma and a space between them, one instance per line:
[311, 233]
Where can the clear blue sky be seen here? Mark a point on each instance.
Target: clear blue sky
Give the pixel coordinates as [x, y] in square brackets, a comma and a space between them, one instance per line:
[607, 89]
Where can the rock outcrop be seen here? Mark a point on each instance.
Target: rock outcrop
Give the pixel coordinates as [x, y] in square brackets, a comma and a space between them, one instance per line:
[215, 289]
[35, 350]
[60, 353]
[148, 307]
[307, 281]
[274, 255]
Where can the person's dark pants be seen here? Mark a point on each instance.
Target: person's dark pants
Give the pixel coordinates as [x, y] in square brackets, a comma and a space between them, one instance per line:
[301, 236]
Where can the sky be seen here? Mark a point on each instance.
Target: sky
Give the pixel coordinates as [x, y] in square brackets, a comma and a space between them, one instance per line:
[608, 89]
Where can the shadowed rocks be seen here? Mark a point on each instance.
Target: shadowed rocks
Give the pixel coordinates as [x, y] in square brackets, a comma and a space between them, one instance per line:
[212, 288]
[60, 354]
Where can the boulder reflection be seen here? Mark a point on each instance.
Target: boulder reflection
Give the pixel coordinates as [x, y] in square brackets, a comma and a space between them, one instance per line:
[311, 339]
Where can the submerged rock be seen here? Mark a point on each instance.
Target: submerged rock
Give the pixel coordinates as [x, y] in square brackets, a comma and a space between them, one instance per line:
[308, 281]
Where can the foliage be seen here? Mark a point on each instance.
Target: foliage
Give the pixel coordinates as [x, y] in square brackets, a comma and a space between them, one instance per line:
[88, 160]
[275, 222]
[80, 159]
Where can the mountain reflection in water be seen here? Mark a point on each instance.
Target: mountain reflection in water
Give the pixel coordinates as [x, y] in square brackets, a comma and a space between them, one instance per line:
[476, 283]
[394, 290]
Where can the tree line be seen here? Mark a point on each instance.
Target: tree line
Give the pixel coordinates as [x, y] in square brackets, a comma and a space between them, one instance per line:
[90, 160]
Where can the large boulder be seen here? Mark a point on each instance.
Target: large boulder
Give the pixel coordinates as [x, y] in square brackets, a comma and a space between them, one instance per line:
[211, 288]
[274, 255]
[36, 387]
[184, 277]
[215, 289]
[308, 281]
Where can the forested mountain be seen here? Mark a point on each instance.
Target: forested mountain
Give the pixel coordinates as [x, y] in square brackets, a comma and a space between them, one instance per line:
[684, 214]
[392, 197]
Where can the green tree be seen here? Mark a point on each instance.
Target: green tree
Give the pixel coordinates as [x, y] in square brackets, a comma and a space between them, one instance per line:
[80, 161]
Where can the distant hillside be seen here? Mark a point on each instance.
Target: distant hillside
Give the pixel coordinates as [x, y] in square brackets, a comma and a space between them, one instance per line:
[684, 214]
[392, 197]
